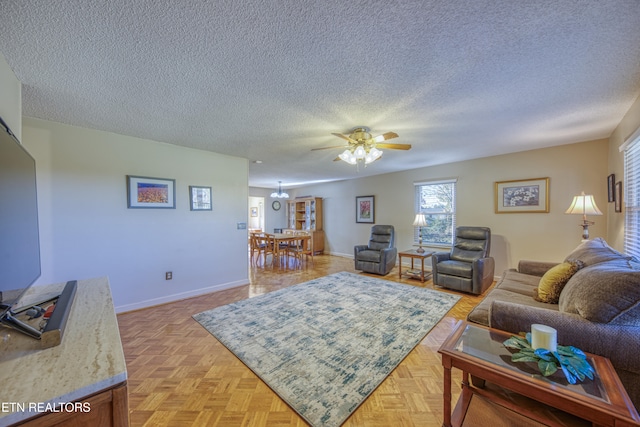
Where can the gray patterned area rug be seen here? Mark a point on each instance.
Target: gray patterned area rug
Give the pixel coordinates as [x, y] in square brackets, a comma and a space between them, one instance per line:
[324, 345]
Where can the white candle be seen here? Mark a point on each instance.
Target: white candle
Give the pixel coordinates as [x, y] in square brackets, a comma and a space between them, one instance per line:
[543, 336]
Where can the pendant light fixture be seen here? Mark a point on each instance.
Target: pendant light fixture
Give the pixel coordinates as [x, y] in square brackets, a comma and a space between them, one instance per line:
[280, 194]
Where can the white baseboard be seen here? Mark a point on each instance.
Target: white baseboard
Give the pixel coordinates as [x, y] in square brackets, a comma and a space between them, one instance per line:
[341, 255]
[178, 297]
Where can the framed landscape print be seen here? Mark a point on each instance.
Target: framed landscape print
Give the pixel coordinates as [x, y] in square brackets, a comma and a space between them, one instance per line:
[522, 196]
[365, 212]
[200, 198]
[150, 193]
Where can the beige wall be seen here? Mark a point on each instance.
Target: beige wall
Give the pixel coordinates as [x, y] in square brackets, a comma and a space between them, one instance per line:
[540, 236]
[627, 127]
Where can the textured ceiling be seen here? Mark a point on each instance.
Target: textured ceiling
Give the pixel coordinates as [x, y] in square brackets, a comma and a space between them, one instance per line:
[271, 79]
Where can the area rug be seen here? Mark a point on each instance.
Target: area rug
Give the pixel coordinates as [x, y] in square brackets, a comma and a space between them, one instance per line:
[324, 345]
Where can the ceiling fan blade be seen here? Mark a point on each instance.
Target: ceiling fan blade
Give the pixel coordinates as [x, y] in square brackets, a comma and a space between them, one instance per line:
[327, 148]
[337, 159]
[394, 146]
[385, 136]
[339, 135]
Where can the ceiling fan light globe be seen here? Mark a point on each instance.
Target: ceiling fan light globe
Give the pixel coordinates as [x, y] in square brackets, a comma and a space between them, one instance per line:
[359, 152]
[375, 153]
[348, 157]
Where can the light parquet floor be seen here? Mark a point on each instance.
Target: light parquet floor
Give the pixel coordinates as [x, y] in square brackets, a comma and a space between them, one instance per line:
[180, 375]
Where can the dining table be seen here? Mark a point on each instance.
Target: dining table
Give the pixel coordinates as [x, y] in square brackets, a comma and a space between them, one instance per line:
[280, 240]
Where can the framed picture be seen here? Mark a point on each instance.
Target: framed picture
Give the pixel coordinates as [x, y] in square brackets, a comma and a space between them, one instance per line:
[200, 198]
[618, 201]
[611, 179]
[254, 212]
[150, 193]
[522, 196]
[365, 209]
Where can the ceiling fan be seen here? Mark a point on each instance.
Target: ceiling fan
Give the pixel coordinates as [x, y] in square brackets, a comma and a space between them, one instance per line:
[363, 147]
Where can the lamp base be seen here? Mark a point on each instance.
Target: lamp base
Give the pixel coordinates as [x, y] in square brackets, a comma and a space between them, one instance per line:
[420, 250]
[585, 229]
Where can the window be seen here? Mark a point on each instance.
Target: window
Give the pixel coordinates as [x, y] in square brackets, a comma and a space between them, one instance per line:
[632, 197]
[437, 201]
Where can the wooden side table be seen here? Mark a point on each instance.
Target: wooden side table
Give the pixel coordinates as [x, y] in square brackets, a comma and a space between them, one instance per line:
[479, 353]
[414, 273]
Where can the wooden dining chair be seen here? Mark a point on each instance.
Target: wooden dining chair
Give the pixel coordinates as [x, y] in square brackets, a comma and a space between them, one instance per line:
[253, 245]
[300, 247]
[264, 244]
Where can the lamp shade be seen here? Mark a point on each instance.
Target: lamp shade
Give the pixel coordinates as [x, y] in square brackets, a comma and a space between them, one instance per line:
[583, 204]
[420, 220]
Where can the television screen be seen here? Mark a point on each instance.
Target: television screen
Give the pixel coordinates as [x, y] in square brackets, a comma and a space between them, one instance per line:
[19, 237]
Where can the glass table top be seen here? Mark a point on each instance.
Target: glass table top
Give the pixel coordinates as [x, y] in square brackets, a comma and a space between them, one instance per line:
[487, 345]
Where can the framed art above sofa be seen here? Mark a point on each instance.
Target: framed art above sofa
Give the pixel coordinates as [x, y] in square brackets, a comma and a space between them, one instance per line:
[522, 196]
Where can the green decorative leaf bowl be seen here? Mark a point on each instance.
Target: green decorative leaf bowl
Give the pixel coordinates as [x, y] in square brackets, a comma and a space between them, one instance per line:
[571, 360]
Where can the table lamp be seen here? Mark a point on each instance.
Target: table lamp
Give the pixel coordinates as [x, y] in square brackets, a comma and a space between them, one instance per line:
[584, 205]
[420, 221]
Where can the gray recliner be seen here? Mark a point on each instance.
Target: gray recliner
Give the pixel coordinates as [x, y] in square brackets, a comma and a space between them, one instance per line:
[379, 256]
[468, 267]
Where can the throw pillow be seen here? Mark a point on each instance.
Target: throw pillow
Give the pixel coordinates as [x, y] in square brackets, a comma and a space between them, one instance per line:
[595, 251]
[553, 281]
[604, 293]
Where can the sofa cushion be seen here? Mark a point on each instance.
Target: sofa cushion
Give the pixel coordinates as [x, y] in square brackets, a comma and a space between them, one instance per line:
[553, 281]
[480, 313]
[513, 287]
[518, 283]
[604, 293]
[595, 251]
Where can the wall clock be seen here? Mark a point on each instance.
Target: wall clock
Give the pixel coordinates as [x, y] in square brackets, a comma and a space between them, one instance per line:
[275, 205]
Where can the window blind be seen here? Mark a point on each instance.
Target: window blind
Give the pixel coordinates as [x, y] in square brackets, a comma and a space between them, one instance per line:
[632, 198]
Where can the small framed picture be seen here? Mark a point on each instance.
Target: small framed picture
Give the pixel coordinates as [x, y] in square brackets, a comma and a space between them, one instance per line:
[611, 179]
[150, 193]
[254, 212]
[618, 201]
[200, 198]
[365, 209]
[522, 196]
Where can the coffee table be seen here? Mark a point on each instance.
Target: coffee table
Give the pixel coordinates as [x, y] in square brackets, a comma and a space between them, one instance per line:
[414, 273]
[519, 388]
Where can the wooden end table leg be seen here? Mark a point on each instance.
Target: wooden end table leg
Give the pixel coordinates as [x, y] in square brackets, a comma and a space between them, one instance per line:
[446, 394]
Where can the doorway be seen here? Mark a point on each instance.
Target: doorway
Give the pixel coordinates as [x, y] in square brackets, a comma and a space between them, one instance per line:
[256, 213]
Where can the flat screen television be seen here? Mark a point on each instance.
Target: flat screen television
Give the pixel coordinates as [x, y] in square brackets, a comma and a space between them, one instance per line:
[19, 235]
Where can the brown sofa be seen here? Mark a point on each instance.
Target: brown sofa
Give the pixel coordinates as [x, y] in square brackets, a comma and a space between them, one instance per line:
[598, 309]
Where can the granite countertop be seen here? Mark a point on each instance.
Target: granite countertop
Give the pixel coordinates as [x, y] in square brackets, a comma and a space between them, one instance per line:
[89, 359]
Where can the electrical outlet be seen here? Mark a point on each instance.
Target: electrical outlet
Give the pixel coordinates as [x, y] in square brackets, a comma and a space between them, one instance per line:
[168, 275]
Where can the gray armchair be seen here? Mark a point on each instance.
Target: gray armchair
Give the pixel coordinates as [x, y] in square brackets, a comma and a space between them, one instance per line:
[379, 256]
[468, 267]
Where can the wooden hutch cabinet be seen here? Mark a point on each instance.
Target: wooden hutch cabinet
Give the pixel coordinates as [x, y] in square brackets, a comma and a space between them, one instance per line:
[305, 213]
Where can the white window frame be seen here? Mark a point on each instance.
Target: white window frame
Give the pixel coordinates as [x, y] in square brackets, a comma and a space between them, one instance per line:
[631, 149]
[431, 213]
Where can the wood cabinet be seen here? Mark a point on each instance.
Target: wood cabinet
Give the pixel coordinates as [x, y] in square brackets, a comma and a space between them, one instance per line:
[80, 382]
[306, 214]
